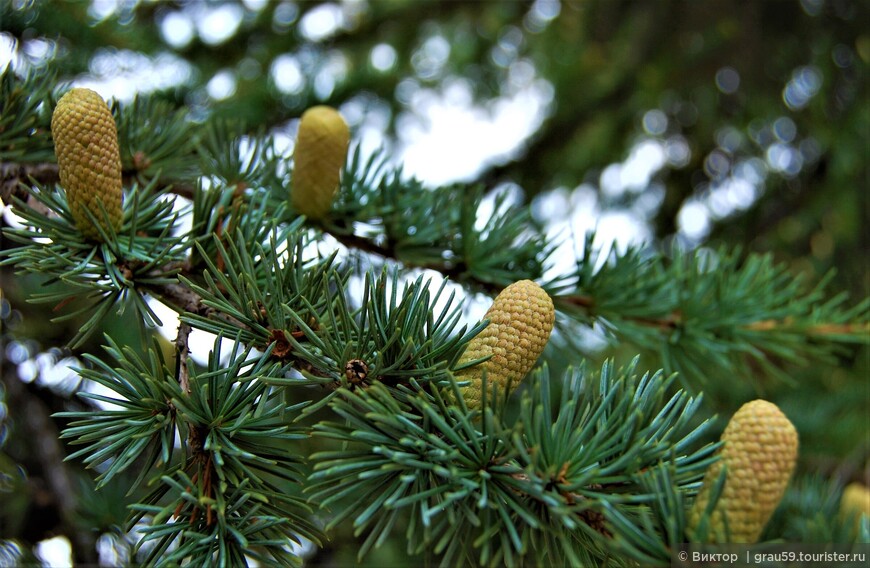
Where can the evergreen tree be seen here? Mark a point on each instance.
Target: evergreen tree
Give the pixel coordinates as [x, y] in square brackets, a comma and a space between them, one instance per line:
[349, 405]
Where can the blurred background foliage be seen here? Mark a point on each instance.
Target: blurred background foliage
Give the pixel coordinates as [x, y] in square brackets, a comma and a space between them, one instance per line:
[733, 122]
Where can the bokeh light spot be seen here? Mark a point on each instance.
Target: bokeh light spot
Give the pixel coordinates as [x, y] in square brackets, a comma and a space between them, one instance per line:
[728, 80]
[284, 16]
[655, 122]
[784, 129]
[383, 57]
[784, 159]
[541, 14]
[287, 74]
[717, 164]
[222, 85]
[219, 23]
[693, 220]
[677, 151]
[842, 56]
[55, 551]
[803, 86]
[321, 22]
[177, 29]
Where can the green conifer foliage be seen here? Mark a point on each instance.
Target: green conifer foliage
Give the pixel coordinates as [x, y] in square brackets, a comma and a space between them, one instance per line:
[349, 405]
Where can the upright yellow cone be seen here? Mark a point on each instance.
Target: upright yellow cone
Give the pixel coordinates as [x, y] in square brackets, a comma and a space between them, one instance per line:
[521, 319]
[321, 150]
[855, 502]
[760, 452]
[88, 159]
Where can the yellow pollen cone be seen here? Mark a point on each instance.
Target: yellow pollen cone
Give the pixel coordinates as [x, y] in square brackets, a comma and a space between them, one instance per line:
[760, 452]
[321, 150]
[855, 502]
[88, 159]
[521, 319]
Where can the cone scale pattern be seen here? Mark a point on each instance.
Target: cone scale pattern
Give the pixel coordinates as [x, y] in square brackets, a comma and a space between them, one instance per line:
[88, 159]
[521, 319]
[760, 452]
[321, 150]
